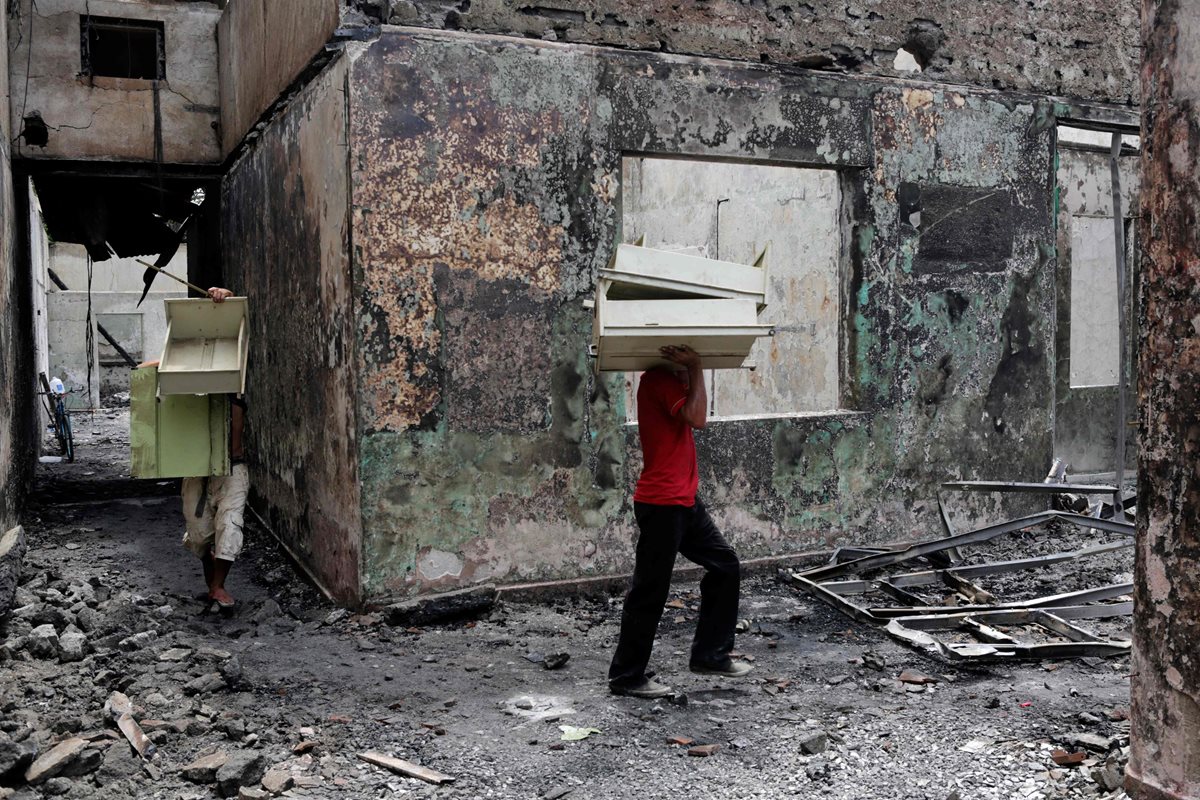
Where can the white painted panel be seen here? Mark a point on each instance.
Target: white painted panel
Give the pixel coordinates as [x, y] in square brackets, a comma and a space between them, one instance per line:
[1094, 339]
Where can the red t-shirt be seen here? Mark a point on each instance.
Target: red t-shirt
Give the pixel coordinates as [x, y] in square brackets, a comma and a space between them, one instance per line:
[669, 476]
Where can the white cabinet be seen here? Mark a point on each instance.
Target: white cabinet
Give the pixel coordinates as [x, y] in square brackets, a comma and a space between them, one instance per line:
[205, 350]
[648, 299]
[637, 272]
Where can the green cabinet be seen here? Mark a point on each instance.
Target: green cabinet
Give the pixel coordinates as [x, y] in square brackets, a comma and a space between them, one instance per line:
[175, 435]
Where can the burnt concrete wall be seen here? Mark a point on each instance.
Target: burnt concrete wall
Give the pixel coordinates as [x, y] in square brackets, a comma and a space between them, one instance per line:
[1090, 52]
[486, 176]
[286, 237]
[18, 443]
[107, 118]
[10, 489]
[263, 46]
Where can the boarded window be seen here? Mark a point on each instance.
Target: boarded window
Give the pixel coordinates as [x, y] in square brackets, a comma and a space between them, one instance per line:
[731, 211]
[122, 48]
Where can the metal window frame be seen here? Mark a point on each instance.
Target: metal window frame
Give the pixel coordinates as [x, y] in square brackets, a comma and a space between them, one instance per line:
[91, 22]
[912, 621]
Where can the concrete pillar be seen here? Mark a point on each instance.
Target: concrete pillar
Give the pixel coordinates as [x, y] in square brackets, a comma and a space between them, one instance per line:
[1165, 758]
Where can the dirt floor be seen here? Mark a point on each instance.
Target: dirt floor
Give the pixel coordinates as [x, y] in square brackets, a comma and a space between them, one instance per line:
[294, 686]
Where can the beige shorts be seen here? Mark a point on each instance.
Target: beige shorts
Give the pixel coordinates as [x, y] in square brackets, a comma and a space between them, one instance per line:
[218, 528]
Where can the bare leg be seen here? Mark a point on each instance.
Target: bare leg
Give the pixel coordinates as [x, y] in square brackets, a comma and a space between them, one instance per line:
[207, 562]
[216, 584]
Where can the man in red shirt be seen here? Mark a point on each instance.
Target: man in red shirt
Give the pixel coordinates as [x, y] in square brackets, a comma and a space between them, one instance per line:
[672, 520]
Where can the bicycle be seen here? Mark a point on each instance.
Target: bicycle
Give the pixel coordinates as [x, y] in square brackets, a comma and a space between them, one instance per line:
[60, 420]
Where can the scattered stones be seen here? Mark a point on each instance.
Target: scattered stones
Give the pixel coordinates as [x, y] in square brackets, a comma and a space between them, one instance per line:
[916, 678]
[277, 781]
[556, 660]
[71, 646]
[206, 683]
[1110, 777]
[204, 769]
[703, 750]
[241, 769]
[175, 654]
[43, 642]
[813, 742]
[12, 553]
[1065, 759]
[231, 670]
[137, 641]
[55, 761]
[15, 757]
[682, 741]
[251, 793]
[874, 660]
[817, 769]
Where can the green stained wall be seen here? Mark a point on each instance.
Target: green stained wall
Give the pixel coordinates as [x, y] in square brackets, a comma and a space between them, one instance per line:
[485, 194]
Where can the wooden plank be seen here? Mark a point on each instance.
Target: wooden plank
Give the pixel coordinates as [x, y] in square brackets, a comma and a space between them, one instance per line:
[407, 768]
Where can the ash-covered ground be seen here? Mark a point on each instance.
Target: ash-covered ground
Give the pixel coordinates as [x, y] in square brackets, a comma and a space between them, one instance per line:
[282, 696]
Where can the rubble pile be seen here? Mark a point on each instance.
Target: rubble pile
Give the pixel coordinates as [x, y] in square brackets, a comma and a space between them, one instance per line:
[119, 682]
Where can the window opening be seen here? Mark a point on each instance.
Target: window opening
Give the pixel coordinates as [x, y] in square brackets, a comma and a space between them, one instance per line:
[122, 48]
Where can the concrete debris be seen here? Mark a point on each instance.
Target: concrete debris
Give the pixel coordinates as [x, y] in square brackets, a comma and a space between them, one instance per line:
[240, 769]
[15, 757]
[1065, 759]
[293, 694]
[447, 607]
[204, 769]
[43, 642]
[277, 781]
[72, 645]
[813, 742]
[205, 684]
[56, 760]
[402, 767]
[12, 553]
[909, 676]
[555, 660]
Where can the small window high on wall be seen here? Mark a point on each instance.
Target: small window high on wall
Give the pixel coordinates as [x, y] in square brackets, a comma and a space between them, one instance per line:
[730, 211]
[122, 48]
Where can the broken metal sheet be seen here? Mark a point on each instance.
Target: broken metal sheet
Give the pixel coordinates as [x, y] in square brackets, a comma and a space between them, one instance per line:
[1035, 488]
[1001, 567]
[1084, 521]
[1050, 601]
[932, 576]
[935, 546]
[832, 598]
[915, 631]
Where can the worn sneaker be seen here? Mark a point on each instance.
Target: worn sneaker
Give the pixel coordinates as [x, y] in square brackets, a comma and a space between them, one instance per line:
[647, 690]
[730, 669]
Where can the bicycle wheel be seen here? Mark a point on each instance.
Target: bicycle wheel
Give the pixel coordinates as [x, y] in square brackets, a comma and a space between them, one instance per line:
[63, 430]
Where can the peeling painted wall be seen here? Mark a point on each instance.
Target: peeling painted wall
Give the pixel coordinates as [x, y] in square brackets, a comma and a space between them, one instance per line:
[1091, 52]
[105, 118]
[486, 179]
[286, 235]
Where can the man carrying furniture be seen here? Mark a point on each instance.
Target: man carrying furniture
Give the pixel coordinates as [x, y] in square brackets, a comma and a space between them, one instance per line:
[213, 506]
[671, 520]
